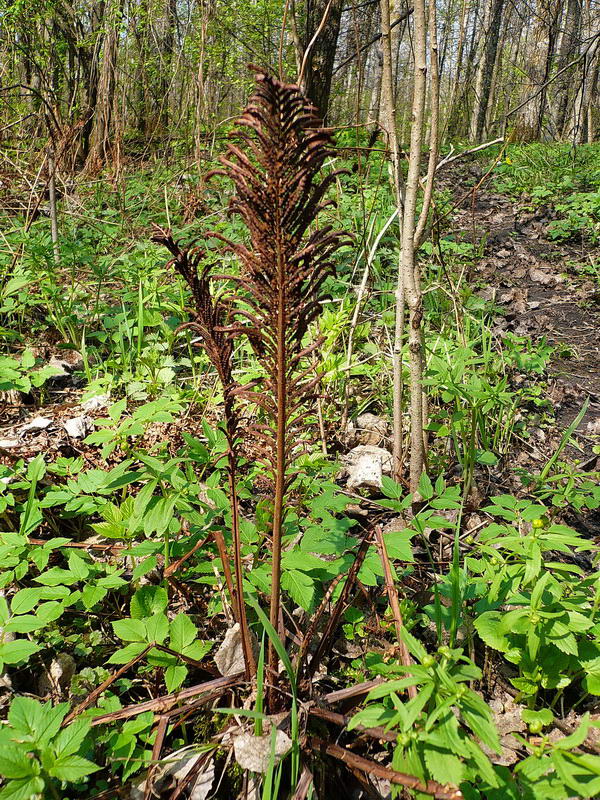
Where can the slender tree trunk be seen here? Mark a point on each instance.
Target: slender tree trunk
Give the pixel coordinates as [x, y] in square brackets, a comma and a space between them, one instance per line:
[388, 118]
[410, 274]
[318, 72]
[100, 139]
[485, 67]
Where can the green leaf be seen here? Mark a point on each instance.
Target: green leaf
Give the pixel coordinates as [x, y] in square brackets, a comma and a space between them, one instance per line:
[24, 789]
[443, 766]
[300, 586]
[24, 600]
[72, 768]
[175, 676]
[130, 630]
[70, 738]
[157, 628]
[17, 651]
[182, 632]
[544, 715]
[488, 627]
[425, 486]
[92, 595]
[147, 601]
[15, 762]
[126, 654]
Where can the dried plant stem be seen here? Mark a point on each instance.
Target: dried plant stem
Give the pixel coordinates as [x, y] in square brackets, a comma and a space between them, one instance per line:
[280, 469]
[433, 788]
[392, 594]
[240, 606]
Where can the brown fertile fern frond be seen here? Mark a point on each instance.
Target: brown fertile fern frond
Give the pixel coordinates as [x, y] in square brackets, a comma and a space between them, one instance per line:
[278, 150]
[211, 317]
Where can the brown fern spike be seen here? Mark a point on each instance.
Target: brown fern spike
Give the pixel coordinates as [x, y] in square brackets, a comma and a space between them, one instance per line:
[277, 152]
[211, 317]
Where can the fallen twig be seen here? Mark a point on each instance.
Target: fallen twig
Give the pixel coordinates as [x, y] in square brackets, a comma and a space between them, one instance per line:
[373, 768]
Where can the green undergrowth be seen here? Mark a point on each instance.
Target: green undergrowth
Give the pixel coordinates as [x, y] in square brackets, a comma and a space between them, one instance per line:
[560, 176]
[87, 538]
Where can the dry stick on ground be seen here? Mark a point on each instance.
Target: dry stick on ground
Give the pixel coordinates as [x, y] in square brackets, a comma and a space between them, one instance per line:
[304, 784]
[373, 768]
[392, 594]
[352, 691]
[378, 732]
[211, 689]
[161, 731]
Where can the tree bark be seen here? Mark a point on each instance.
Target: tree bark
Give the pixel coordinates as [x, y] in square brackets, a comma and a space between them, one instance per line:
[485, 67]
[318, 72]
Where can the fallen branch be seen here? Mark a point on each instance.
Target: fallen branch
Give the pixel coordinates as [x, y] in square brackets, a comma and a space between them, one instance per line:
[378, 732]
[451, 157]
[433, 788]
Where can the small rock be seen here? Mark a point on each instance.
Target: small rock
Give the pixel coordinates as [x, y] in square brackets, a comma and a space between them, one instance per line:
[96, 402]
[70, 361]
[37, 424]
[254, 752]
[593, 428]
[371, 429]
[366, 465]
[78, 427]
[5, 683]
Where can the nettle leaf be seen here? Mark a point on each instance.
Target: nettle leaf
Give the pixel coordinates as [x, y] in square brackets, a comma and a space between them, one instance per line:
[157, 628]
[147, 601]
[34, 720]
[128, 653]
[175, 676]
[72, 768]
[92, 595]
[425, 487]
[443, 766]
[15, 762]
[69, 740]
[372, 716]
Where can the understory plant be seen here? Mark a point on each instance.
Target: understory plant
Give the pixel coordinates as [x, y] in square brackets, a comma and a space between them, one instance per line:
[277, 152]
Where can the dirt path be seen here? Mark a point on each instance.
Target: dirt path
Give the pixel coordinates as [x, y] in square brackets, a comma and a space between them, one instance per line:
[535, 280]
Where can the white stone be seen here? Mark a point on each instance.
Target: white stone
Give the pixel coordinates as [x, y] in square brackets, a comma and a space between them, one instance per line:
[366, 465]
